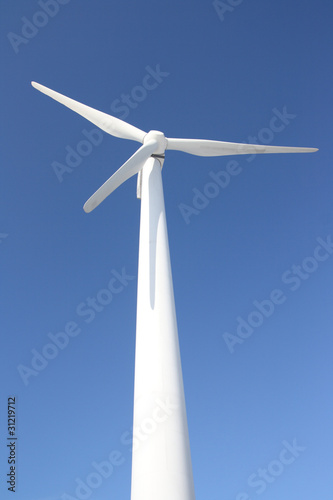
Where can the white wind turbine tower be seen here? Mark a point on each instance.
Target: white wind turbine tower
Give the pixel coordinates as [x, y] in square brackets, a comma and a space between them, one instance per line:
[161, 465]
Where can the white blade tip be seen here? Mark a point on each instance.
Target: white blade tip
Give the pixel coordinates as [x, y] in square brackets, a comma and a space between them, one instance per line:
[40, 87]
[88, 208]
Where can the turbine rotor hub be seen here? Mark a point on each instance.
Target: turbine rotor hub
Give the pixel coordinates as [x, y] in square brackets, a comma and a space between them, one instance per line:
[159, 137]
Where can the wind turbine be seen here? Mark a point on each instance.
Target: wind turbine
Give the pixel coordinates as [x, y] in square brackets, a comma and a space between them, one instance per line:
[161, 460]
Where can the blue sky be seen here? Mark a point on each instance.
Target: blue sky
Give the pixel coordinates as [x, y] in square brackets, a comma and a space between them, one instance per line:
[255, 251]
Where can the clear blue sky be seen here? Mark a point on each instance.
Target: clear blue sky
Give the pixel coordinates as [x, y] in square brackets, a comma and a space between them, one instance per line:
[259, 69]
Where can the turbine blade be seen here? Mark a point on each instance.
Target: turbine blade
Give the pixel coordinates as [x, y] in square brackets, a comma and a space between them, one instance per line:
[219, 148]
[131, 167]
[110, 124]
